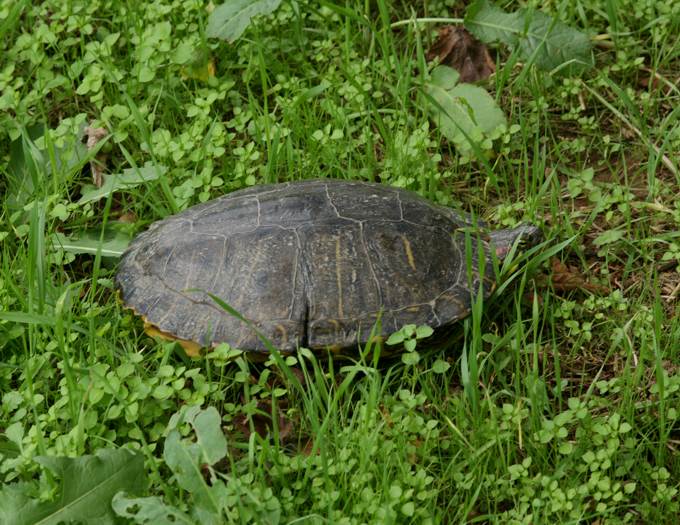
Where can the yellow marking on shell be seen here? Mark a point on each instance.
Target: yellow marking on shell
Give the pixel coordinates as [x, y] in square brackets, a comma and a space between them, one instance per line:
[338, 277]
[282, 330]
[409, 252]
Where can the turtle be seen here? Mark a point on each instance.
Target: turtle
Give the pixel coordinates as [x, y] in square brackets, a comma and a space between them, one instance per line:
[313, 263]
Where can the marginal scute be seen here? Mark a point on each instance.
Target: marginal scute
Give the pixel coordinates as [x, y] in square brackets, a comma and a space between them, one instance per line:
[313, 263]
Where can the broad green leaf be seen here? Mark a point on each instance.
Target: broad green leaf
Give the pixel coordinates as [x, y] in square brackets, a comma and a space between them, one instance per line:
[608, 237]
[566, 448]
[184, 459]
[208, 427]
[148, 510]
[491, 24]
[113, 244]
[424, 331]
[30, 163]
[210, 446]
[25, 168]
[408, 509]
[17, 507]
[440, 366]
[87, 485]
[625, 427]
[8, 449]
[410, 358]
[409, 330]
[185, 415]
[540, 39]
[146, 74]
[162, 392]
[15, 435]
[229, 20]
[183, 53]
[464, 113]
[395, 338]
[130, 178]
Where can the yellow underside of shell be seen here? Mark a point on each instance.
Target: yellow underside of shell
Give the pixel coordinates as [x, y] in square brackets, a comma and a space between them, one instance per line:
[190, 347]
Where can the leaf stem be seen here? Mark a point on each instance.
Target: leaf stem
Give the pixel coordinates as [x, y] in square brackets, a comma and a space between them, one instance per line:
[427, 21]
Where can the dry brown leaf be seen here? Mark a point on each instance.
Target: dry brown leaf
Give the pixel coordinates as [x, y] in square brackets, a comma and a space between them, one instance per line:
[656, 81]
[564, 279]
[669, 283]
[529, 297]
[299, 374]
[263, 421]
[456, 47]
[128, 217]
[413, 457]
[386, 416]
[202, 72]
[308, 448]
[94, 136]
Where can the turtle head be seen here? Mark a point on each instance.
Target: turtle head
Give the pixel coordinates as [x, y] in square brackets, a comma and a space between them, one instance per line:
[525, 235]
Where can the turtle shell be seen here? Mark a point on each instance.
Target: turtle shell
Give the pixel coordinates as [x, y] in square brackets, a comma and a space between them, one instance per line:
[313, 263]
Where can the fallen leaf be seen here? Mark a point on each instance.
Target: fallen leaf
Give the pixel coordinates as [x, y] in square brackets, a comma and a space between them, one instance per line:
[655, 81]
[202, 72]
[308, 448]
[529, 297]
[262, 421]
[94, 136]
[564, 279]
[457, 48]
[413, 456]
[128, 217]
[299, 375]
[669, 283]
[386, 416]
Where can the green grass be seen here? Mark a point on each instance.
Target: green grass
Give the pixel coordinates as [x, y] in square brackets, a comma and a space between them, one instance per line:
[550, 406]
